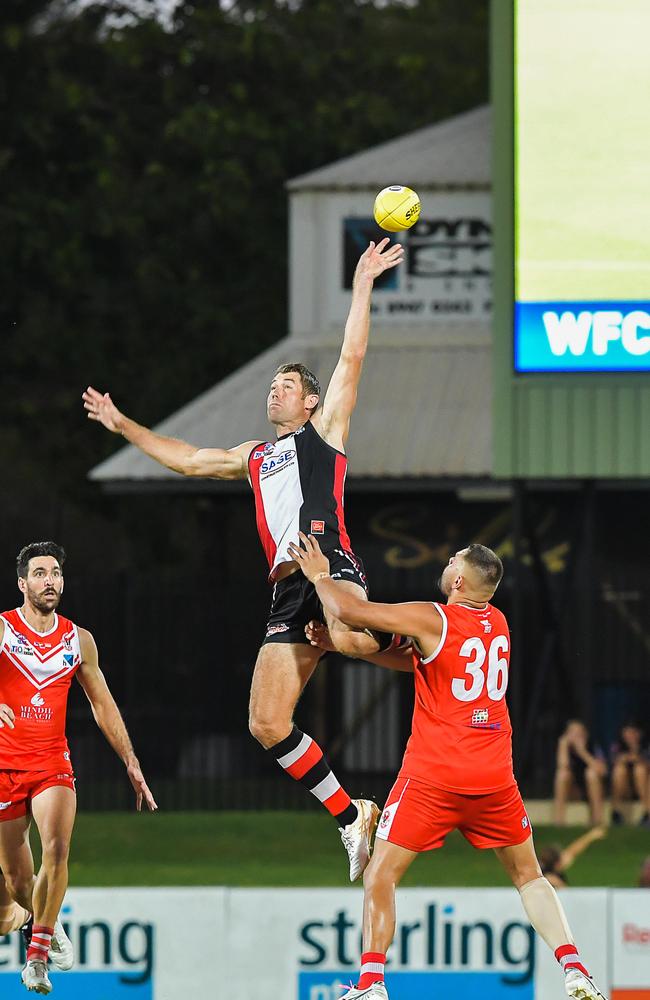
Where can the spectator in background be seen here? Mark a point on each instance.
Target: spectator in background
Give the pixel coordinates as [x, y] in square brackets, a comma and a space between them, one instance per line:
[580, 772]
[630, 760]
[554, 859]
[644, 874]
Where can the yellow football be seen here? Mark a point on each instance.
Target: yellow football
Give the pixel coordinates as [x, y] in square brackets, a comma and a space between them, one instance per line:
[397, 208]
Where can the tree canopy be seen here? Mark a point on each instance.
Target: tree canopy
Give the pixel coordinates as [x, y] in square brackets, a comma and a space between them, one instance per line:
[142, 167]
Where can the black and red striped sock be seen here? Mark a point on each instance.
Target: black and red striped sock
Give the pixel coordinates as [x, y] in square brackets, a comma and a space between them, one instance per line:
[372, 969]
[40, 943]
[302, 758]
[569, 958]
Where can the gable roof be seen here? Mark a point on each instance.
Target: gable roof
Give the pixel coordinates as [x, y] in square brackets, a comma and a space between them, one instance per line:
[454, 153]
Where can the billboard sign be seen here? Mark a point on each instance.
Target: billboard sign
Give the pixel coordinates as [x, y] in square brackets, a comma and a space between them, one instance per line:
[582, 195]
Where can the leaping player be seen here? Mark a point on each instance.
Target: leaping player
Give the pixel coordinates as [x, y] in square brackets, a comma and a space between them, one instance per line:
[457, 769]
[40, 653]
[298, 482]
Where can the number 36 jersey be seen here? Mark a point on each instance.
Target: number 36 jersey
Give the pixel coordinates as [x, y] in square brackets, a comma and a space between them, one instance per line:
[461, 737]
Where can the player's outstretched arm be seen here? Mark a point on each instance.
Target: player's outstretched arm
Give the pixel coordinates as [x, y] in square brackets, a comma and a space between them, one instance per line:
[579, 846]
[414, 618]
[333, 420]
[393, 659]
[109, 719]
[214, 463]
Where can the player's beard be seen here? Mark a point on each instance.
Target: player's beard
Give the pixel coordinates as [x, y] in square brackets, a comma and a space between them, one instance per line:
[442, 584]
[42, 603]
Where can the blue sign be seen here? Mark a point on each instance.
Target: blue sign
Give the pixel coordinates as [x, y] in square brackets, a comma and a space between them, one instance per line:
[423, 985]
[582, 336]
[81, 986]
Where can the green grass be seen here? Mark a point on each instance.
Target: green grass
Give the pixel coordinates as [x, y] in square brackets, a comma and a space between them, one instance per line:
[296, 849]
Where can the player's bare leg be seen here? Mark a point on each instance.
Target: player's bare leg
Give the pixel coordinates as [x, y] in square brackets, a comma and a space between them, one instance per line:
[546, 914]
[281, 673]
[562, 792]
[382, 876]
[13, 916]
[54, 811]
[16, 860]
[595, 795]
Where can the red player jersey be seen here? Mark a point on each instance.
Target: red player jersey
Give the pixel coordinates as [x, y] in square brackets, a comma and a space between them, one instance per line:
[461, 737]
[36, 670]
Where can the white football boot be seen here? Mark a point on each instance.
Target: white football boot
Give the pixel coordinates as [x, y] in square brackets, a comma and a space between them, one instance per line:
[581, 987]
[61, 953]
[357, 836]
[375, 992]
[35, 978]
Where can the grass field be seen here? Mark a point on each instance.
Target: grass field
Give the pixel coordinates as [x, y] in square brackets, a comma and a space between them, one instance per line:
[297, 849]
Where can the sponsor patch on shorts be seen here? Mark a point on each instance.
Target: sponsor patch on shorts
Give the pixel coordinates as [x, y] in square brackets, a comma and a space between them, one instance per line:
[274, 629]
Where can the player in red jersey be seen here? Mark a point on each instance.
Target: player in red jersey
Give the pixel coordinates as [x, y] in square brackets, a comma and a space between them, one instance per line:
[457, 769]
[40, 653]
[298, 482]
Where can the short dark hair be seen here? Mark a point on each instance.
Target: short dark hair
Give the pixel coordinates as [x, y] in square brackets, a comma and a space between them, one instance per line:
[309, 382]
[35, 549]
[486, 562]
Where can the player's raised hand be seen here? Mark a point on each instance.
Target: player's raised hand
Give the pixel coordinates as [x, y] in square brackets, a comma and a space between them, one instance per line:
[379, 258]
[101, 407]
[142, 791]
[309, 557]
[7, 717]
[319, 635]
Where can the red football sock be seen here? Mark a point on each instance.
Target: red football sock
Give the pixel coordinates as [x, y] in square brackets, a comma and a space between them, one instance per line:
[372, 969]
[569, 958]
[41, 941]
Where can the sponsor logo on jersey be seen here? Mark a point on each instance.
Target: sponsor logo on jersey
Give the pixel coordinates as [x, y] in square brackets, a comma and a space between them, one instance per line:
[266, 450]
[66, 755]
[487, 627]
[68, 659]
[272, 465]
[67, 642]
[36, 711]
[317, 527]
[5, 805]
[479, 716]
[274, 629]
[21, 646]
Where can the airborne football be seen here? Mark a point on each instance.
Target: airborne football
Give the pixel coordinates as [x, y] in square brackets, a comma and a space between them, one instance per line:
[397, 208]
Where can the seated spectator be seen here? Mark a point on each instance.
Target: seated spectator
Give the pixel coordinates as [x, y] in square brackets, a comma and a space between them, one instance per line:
[554, 860]
[630, 760]
[644, 874]
[580, 773]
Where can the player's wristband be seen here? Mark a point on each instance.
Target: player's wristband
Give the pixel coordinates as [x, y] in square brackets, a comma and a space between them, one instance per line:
[320, 576]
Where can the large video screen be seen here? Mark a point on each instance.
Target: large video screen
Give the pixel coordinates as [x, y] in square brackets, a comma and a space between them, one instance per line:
[582, 185]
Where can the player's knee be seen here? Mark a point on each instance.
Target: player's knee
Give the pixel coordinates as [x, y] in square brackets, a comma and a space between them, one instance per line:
[267, 730]
[55, 851]
[19, 884]
[353, 644]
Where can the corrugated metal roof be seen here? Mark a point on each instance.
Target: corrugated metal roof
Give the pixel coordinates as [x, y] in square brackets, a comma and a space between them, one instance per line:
[453, 153]
[424, 407]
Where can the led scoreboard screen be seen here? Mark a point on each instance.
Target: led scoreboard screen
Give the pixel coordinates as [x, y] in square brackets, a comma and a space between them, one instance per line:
[582, 186]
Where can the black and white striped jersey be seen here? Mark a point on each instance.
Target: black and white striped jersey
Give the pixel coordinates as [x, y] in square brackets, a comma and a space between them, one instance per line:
[298, 482]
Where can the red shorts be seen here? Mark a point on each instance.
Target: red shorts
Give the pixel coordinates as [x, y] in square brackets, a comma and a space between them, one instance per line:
[418, 816]
[18, 788]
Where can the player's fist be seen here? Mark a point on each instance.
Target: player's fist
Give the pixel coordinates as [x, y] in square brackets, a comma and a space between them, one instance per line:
[101, 407]
[7, 717]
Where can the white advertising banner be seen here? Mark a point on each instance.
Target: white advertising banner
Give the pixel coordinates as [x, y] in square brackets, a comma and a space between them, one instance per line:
[131, 944]
[630, 942]
[304, 944]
